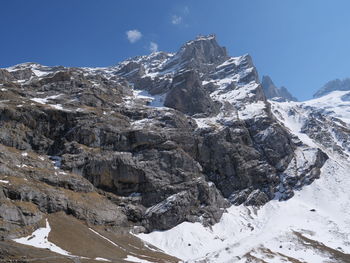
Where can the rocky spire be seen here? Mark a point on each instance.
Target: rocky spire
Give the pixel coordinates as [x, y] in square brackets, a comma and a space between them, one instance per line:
[203, 49]
[272, 92]
[199, 53]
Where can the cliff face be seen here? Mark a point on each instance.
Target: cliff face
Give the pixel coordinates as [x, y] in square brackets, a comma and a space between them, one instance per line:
[151, 142]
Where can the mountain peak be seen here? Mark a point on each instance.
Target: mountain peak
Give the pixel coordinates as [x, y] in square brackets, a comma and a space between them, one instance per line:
[203, 38]
[272, 92]
[268, 79]
[333, 85]
[203, 49]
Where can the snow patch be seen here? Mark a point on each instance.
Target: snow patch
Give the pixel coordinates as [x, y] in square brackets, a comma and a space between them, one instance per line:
[45, 100]
[102, 259]
[153, 100]
[57, 106]
[39, 239]
[135, 259]
[57, 161]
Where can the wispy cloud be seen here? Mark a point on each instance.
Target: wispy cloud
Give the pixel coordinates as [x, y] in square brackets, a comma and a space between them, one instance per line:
[176, 19]
[186, 10]
[153, 47]
[133, 35]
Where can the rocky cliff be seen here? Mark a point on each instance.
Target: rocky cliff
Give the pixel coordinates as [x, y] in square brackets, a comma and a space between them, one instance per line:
[148, 143]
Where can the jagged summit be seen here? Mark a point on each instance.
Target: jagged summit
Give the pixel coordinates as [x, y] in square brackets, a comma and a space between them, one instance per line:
[272, 92]
[333, 85]
[204, 49]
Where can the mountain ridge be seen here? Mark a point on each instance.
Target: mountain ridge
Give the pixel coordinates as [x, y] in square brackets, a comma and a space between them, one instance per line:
[147, 144]
[333, 85]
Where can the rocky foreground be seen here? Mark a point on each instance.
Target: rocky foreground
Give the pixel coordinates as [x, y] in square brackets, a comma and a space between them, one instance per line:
[145, 145]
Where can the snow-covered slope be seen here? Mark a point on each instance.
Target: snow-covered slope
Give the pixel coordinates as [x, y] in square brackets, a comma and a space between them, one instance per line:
[333, 85]
[324, 121]
[335, 104]
[313, 226]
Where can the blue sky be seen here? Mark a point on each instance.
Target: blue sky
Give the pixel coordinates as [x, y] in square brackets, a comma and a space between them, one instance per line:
[301, 44]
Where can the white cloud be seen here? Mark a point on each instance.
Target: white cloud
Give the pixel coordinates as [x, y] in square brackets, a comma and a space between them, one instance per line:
[186, 10]
[179, 18]
[176, 20]
[153, 47]
[133, 35]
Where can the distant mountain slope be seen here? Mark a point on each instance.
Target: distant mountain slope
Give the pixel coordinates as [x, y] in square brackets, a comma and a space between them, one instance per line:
[337, 84]
[272, 92]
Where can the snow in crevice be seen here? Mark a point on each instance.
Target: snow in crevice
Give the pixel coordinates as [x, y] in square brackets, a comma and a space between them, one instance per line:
[57, 161]
[293, 118]
[103, 259]
[155, 101]
[45, 100]
[136, 259]
[40, 73]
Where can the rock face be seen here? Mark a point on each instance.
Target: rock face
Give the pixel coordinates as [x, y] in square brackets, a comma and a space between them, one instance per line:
[337, 84]
[152, 142]
[272, 92]
[188, 95]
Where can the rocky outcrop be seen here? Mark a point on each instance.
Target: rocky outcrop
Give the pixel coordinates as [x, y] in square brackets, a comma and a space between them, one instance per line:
[5, 76]
[202, 53]
[31, 185]
[188, 96]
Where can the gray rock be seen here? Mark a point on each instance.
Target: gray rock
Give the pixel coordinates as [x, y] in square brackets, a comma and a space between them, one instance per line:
[272, 92]
[188, 96]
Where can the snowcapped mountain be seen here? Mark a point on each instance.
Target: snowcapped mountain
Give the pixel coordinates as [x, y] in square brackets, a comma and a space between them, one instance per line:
[183, 150]
[333, 85]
